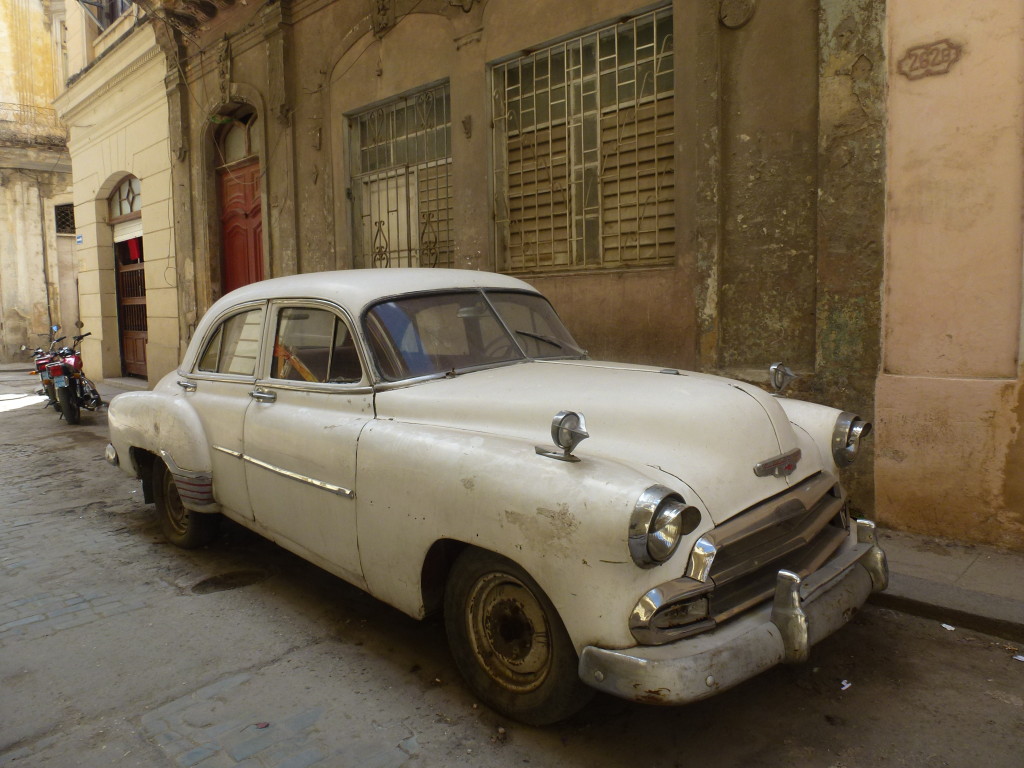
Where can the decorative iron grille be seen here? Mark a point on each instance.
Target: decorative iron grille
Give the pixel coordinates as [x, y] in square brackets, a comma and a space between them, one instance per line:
[584, 156]
[65, 218]
[402, 197]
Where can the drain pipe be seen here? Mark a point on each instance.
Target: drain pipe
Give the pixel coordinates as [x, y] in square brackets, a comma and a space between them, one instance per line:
[46, 258]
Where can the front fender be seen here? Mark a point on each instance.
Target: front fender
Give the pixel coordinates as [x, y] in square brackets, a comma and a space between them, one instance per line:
[566, 523]
[818, 421]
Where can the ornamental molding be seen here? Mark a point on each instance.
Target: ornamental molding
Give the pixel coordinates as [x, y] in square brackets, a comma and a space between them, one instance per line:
[105, 86]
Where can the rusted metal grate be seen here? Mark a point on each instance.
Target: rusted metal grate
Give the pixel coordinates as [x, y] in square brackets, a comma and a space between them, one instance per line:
[65, 218]
[402, 198]
[584, 153]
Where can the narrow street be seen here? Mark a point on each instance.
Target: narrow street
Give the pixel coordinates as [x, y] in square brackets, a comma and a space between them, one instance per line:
[117, 649]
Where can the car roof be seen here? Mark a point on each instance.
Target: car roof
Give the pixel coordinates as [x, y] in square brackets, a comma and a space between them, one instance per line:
[355, 288]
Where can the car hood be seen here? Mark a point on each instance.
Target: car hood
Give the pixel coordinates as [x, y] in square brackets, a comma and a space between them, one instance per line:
[706, 431]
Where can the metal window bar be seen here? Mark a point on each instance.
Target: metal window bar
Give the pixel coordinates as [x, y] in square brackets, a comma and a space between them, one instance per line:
[584, 150]
[401, 182]
[64, 216]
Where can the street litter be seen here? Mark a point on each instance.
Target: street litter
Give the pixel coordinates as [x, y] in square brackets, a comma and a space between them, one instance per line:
[948, 627]
[1019, 657]
[846, 685]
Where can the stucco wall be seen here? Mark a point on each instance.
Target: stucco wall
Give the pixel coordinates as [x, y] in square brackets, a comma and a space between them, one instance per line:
[949, 397]
[36, 284]
[117, 116]
[779, 170]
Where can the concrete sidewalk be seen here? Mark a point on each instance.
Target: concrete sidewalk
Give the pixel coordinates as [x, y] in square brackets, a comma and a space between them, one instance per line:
[960, 585]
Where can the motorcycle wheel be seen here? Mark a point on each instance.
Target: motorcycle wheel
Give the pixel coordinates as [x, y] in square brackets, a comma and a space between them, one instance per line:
[181, 527]
[69, 405]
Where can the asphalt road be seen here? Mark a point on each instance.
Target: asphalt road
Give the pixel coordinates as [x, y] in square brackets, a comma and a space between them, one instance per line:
[117, 649]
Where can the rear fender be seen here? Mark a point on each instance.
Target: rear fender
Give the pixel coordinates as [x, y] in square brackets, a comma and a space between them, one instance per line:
[163, 426]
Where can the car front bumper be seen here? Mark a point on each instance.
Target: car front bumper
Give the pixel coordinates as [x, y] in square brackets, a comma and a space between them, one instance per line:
[803, 612]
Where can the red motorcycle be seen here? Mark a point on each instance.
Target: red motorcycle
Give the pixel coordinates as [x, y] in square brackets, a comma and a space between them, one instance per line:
[42, 358]
[63, 380]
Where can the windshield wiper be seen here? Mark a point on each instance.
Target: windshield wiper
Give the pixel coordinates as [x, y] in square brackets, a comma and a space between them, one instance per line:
[552, 341]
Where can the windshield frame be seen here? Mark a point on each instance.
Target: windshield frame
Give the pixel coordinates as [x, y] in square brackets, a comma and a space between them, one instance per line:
[571, 350]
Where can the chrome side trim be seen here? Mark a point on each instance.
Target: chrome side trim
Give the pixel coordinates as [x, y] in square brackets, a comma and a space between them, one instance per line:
[323, 485]
[345, 492]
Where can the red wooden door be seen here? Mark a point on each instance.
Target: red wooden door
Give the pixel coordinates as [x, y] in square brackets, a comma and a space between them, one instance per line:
[241, 225]
[131, 306]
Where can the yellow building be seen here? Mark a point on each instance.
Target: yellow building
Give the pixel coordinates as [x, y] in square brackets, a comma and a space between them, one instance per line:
[115, 109]
[37, 270]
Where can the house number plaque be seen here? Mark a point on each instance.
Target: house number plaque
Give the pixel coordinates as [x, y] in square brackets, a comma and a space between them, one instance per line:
[931, 59]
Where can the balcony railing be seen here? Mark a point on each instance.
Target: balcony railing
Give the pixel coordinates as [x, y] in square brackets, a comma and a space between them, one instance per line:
[29, 116]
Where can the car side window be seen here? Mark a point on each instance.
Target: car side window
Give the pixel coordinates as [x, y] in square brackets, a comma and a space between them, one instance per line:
[235, 345]
[314, 345]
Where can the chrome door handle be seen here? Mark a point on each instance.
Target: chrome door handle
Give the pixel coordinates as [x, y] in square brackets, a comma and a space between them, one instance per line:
[263, 396]
[188, 386]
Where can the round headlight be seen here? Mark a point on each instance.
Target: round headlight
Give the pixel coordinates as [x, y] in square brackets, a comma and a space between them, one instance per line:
[660, 521]
[666, 530]
[850, 429]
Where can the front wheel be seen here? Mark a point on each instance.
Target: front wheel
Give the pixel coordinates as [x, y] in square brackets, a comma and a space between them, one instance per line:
[508, 641]
[182, 527]
[69, 406]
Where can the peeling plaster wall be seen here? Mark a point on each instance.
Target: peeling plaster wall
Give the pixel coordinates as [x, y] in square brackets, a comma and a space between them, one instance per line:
[950, 453]
[36, 282]
[779, 170]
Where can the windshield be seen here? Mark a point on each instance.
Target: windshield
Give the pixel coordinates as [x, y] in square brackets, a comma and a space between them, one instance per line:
[452, 332]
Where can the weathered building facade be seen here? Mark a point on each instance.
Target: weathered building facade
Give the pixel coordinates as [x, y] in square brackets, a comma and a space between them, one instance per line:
[116, 111]
[693, 183]
[37, 270]
[711, 184]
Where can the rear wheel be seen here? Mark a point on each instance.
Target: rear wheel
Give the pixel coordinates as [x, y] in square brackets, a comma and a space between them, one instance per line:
[182, 527]
[68, 405]
[508, 641]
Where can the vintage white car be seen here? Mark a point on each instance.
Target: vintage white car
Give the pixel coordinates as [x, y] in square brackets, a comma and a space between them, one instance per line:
[437, 438]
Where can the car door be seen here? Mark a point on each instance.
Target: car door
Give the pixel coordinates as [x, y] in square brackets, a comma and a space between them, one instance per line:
[302, 432]
[219, 389]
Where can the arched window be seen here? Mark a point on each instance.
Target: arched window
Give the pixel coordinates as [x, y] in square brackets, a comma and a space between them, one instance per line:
[235, 140]
[126, 199]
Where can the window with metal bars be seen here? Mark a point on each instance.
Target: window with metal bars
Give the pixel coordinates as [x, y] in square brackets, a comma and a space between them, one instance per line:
[105, 12]
[64, 215]
[401, 187]
[583, 151]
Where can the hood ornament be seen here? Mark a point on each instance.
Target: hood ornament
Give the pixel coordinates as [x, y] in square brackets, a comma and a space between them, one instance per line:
[568, 429]
[780, 377]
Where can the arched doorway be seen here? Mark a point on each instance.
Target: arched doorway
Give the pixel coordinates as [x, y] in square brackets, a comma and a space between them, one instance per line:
[129, 262]
[241, 219]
